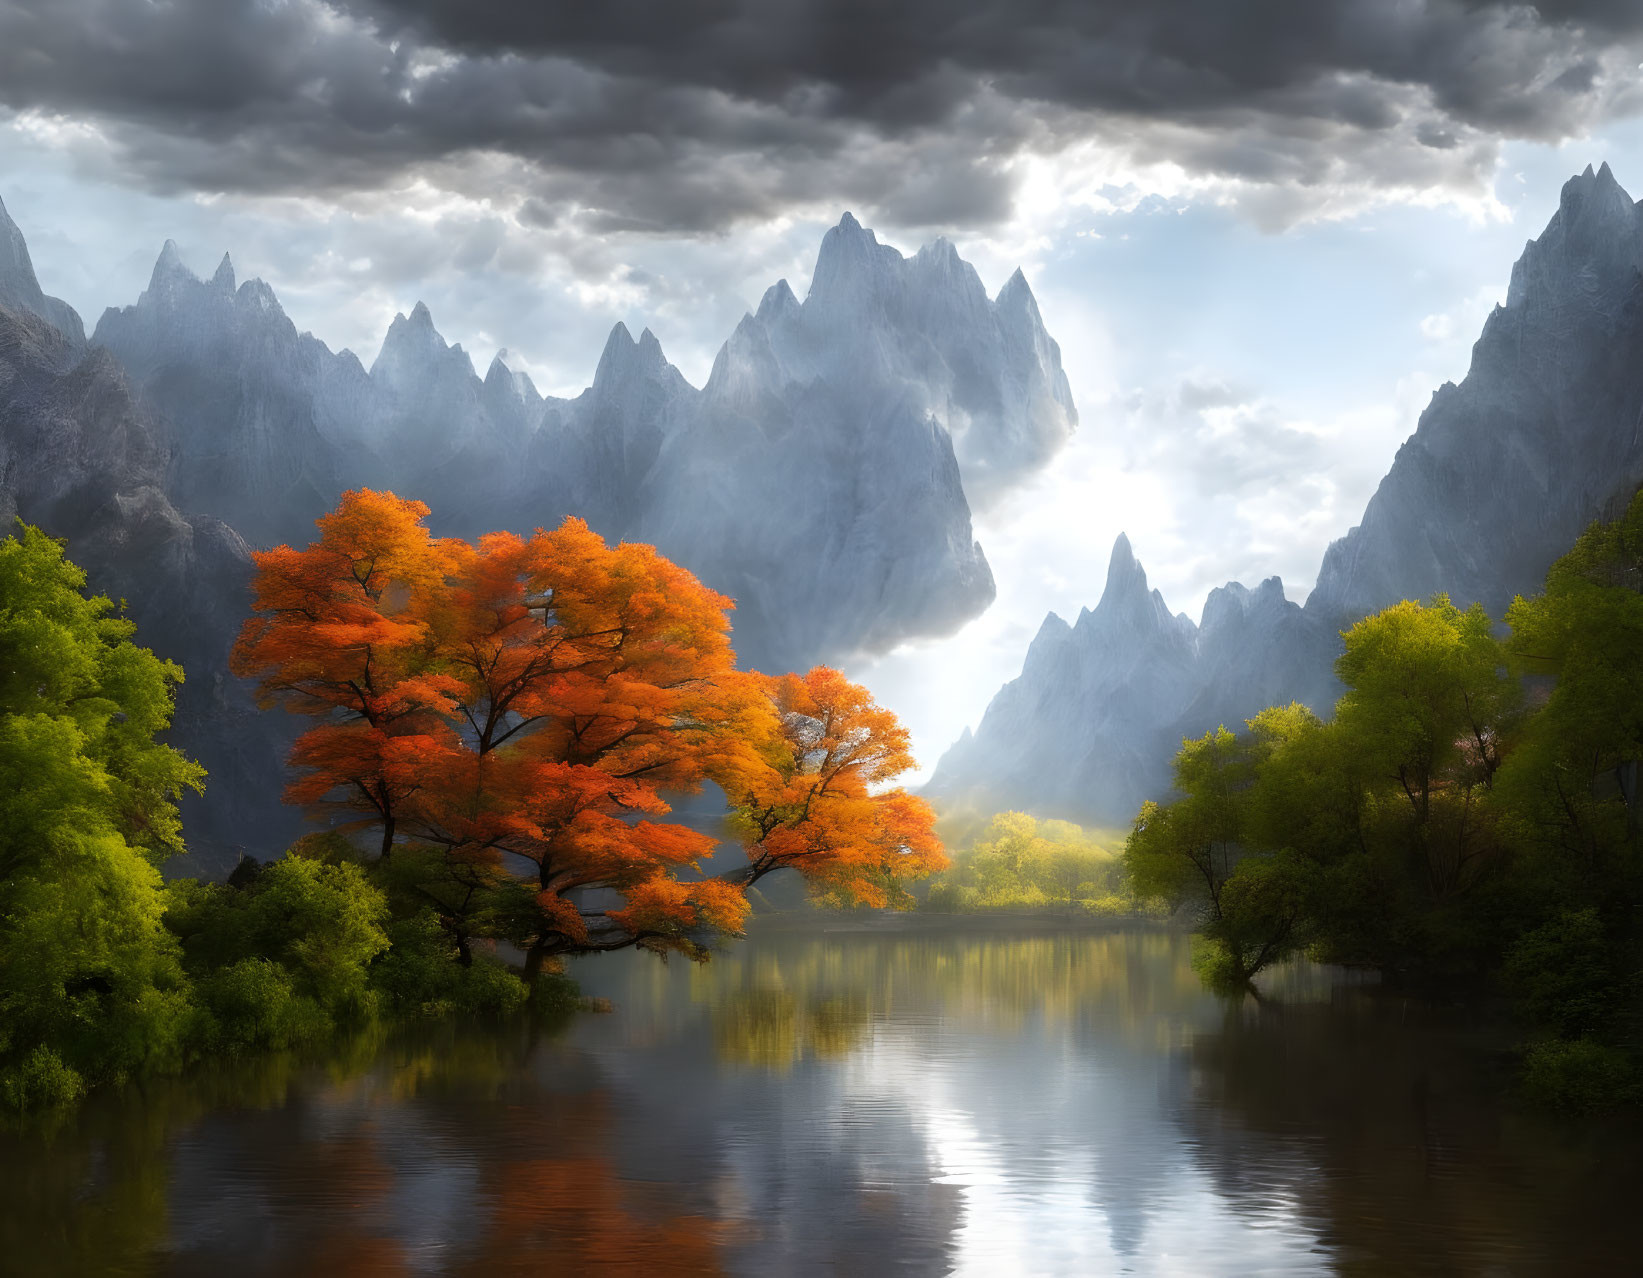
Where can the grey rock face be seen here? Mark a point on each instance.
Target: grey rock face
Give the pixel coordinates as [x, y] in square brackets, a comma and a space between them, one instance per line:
[984, 368]
[79, 458]
[821, 477]
[1542, 436]
[818, 479]
[1088, 729]
[20, 290]
[1503, 472]
[256, 418]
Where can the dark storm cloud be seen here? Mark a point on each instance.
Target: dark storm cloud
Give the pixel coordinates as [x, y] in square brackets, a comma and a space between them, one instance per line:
[884, 61]
[691, 115]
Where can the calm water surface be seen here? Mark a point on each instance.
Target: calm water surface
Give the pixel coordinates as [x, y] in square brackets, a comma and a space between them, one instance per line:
[853, 1104]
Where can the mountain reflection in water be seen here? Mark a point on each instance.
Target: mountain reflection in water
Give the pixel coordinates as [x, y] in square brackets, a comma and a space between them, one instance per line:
[860, 1104]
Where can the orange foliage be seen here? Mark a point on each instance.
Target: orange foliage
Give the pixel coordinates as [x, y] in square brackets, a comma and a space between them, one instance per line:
[820, 809]
[525, 704]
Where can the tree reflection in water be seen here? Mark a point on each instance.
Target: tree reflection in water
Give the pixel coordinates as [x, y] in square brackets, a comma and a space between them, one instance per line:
[1062, 1104]
[441, 1155]
[1390, 1123]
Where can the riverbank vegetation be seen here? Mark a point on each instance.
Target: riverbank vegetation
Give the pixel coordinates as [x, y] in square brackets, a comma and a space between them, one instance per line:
[497, 731]
[1468, 819]
[1018, 863]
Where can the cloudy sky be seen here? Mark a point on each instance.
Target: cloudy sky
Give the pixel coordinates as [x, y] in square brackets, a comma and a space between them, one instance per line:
[1263, 232]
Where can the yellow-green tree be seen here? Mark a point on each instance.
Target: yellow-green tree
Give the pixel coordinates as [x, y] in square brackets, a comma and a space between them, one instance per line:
[90, 983]
[1020, 862]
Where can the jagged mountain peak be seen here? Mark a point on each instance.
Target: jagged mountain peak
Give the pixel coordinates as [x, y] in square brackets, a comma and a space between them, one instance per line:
[1235, 601]
[985, 368]
[1017, 304]
[1593, 196]
[20, 288]
[1016, 291]
[1054, 626]
[514, 382]
[224, 276]
[169, 265]
[778, 301]
[625, 359]
[851, 261]
[942, 250]
[1124, 570]
[1127, 603]
[1597, 231]
[410, 338]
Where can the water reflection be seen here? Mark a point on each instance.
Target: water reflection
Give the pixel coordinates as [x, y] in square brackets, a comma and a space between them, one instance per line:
[850, 1104]
[1383, 1121]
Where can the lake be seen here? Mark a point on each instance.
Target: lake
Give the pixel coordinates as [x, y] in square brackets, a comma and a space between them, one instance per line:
[853, 1103]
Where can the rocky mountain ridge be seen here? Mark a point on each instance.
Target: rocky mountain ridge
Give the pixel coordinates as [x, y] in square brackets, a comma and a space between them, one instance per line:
[827, 498]
[1501, 474]
[821, 476]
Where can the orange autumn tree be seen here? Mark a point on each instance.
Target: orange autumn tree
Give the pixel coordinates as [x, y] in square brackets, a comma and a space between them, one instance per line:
[821, 808]
[522, 706]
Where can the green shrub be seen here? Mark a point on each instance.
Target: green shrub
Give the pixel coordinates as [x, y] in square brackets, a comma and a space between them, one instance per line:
[420, 975]
[1563, 976]
[321, 923]
[39, 1081]
[1578, 1077]
[252, 1006]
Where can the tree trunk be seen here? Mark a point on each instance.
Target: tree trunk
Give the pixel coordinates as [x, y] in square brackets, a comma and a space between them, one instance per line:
[535, 957]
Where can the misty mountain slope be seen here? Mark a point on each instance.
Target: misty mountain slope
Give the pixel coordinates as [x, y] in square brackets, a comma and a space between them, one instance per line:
[602, 446]
[820, 477]
[20, 290]
[1545, 431]
[1089, 727]
[986, 369]
[1543, 435]
[257, 417]
[80, 459]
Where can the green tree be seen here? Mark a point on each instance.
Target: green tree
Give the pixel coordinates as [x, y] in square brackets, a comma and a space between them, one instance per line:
[285, 954]
[1577, 782]
[1428, 706]
[91, 988]
[1572, 813]
[1021, 863]
[1188, 848]
[1196, 852]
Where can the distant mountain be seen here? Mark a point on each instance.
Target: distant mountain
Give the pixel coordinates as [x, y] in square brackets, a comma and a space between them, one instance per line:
[1089, 727]
[821, 477]
[1503, 471]
[814, 478]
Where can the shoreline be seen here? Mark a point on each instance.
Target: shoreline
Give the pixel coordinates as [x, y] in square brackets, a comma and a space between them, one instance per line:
[920, 922]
